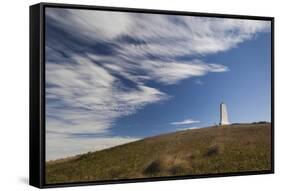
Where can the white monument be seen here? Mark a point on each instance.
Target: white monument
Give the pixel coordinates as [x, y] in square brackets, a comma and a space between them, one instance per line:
[223, 115]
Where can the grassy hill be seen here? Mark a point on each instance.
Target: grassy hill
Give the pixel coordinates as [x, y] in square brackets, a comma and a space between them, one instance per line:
[240, 147]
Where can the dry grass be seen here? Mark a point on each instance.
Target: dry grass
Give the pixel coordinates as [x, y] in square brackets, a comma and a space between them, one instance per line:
[235, 148]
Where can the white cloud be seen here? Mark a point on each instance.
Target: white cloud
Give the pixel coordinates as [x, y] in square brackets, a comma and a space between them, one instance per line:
[173, 72]
[91, 24]
[91, 97]
[185, 122]
[172, 36]
[162, 35]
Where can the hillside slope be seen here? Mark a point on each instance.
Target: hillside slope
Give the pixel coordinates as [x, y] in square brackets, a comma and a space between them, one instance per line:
[244, 147]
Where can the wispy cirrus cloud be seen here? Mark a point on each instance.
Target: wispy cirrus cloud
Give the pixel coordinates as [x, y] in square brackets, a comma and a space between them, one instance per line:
[99, 65]
[173, 72]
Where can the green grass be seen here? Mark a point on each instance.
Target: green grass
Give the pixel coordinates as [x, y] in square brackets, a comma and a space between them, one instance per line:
[234, 148]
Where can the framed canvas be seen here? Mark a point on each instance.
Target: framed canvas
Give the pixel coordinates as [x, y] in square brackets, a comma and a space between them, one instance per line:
[128, 95]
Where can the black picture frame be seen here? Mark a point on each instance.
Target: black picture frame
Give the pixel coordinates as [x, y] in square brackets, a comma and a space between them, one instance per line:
[37, 93]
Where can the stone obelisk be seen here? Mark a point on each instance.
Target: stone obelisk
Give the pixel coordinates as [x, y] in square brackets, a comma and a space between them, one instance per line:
[223, 115]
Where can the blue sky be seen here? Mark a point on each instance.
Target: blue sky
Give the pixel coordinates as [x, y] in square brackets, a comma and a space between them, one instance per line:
[113, 78]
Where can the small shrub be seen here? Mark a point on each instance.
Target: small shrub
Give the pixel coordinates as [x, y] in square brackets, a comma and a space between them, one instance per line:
[154, 168]
[212, 151]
